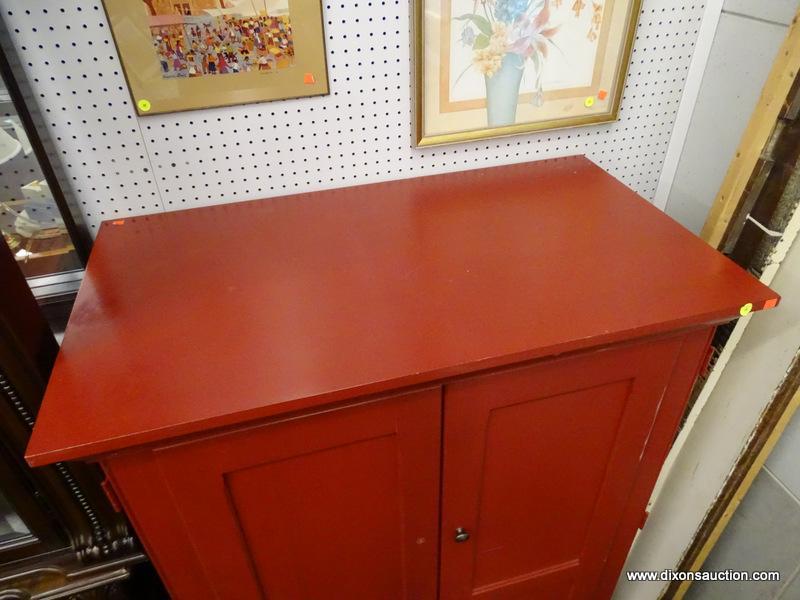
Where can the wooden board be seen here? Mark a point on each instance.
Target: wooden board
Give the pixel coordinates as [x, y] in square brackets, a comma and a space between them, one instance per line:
[192, 320]
[766, 436]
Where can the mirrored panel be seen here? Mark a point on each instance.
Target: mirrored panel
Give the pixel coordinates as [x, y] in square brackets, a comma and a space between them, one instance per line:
[30, 221]
[13, 530]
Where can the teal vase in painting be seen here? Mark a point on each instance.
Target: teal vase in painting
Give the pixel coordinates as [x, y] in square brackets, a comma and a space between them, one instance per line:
[502, 91]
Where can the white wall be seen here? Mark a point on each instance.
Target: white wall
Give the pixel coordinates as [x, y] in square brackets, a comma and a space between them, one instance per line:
[748, 36]
[117, 164]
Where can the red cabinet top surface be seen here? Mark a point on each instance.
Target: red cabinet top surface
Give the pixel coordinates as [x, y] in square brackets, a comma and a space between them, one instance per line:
[208, 317]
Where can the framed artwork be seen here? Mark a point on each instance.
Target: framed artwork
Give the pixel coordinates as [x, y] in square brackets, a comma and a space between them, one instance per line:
[188, 54]
[489, 68]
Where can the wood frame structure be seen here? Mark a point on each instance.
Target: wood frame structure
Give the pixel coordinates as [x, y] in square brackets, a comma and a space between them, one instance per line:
[766, 436]
[756, 135]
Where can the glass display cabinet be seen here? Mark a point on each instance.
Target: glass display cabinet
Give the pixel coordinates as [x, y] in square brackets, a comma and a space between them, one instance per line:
[13, 530]
[39, 226]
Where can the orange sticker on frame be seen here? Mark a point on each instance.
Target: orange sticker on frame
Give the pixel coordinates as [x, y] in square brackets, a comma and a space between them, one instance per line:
[771, 303]
[602, 94]
[309, 78]
[118, 222]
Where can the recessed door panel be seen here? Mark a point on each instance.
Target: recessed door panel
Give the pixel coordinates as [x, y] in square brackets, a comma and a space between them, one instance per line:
[538, 465]
[517, 533]
[341, 504]
[352, 545]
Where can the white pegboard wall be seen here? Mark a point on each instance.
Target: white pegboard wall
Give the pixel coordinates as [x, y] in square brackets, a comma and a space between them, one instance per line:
[118, 164]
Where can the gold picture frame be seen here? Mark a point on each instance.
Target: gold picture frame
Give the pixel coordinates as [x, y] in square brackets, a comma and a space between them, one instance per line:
[494, 68]
[192, 54]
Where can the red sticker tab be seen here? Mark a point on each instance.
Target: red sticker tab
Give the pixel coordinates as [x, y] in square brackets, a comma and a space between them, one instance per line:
[602, 94]
[309, 78]
[770, 303]
[118, 222]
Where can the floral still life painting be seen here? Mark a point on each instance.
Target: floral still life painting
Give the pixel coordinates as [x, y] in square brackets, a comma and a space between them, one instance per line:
[488, 68]
[187, 54]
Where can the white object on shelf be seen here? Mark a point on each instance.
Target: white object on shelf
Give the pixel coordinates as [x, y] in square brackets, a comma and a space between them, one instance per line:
[9, 147]
[22, 137]
[37, 192]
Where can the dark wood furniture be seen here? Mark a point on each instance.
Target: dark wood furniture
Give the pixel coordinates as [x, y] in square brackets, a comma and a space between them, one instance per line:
[459, 385]
[68, 539]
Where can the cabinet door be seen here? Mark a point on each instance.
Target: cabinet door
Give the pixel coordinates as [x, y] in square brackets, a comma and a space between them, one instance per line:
[339, 504]
[539, 463]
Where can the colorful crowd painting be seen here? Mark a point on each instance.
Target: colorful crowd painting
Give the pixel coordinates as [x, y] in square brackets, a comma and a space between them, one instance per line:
[198, 46]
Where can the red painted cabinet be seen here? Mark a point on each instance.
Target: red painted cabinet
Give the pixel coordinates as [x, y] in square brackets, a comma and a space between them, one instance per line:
[539, 464]
[445, 387]
[338, 504]
[539, 468]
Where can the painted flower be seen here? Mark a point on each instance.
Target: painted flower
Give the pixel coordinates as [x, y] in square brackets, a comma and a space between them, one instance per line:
[499, 37]
[508, 11]
[531, 35]
[468, 36]
[489, 59]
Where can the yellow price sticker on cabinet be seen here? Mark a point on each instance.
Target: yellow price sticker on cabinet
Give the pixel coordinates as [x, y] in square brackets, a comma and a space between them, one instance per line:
[745, 310]
[144, 105]
[589, 102]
